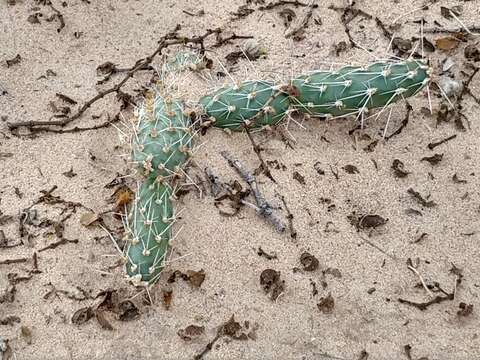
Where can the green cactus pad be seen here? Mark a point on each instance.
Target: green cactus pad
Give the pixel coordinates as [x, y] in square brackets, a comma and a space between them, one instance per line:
[260, 102]
[183, 61]
[149, 231]
[356, 90]
[163, 138]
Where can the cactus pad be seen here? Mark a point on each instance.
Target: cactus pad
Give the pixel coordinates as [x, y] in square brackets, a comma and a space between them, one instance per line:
[356, 90]
[149, 231]
[260, 102]
[163, 138]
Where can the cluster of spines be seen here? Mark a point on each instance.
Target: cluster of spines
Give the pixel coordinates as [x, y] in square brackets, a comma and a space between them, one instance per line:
[349, 90]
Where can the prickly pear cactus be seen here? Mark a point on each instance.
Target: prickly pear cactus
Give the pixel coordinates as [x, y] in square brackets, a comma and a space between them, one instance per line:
[163, 138]
[183, 61]
[255, 103]
[356, 90]
[148, 231]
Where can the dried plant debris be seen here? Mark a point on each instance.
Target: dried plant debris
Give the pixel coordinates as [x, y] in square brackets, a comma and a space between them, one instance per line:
[191, 332]
[299, 177]
[195, 278]
[16, 60]
[408, 353]
[465, 309]
[309, 262]
[351, 169]
[457, 180]
[263, 253]
[82, 315]
[271, 283]
[420, 199]
[434, 159]
[433, 145]
[10, 320]
[366, 221]
[399, 169]
[326, 304]
[234, 330]
[107, 301]
[472, 52]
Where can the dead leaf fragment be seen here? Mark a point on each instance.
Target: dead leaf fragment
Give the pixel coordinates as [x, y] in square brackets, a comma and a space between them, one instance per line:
[309, 262]
[196, 278]
[102, 320]
[326, 304]
[88, 219]
[191, 332]
[447, 43]
[82, 315]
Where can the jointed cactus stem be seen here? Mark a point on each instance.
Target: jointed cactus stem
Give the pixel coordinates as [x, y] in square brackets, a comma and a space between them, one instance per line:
[149, 231]
[353, 90]
[163, 138]
[260, 102]
[349, 90]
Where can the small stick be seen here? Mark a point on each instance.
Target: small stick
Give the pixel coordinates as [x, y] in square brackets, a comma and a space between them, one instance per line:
[264, 208]
[13, 261]
[421, 280]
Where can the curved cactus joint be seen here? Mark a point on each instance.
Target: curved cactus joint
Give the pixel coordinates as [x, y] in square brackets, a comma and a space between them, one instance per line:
[260, 102]
[150, 234]
[354, 89]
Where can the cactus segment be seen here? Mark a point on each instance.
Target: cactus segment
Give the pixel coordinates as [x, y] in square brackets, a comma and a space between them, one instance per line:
[354, 89]
[259, 102]
[183, 61]
[163, 138]
[149, 231]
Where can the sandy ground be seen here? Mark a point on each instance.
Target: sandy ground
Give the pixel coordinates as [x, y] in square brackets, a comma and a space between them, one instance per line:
[367, 320]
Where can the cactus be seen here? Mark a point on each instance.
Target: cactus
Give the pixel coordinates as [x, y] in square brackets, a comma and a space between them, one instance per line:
[356, 90]
[163, 139]
[149, 231]
[255, 103]
[183, 61]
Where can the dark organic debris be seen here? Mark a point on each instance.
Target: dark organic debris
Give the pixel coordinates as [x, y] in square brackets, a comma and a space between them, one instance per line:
[416, 195]
[351, 169]
[433, 145]
[318, 168]
[9, 320]
[14, 61]
[299, 177]
[326, 304]
[368, 221]
[82, 315]
[434, 159]
[471, 52]
[399, 169]
[465, 309]
[309, 262]
[456, 180]
[191, 332]
[267, 256]
[271, 283]
[195, 278]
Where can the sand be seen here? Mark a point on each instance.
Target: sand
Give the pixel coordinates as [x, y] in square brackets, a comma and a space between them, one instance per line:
[365, 271]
